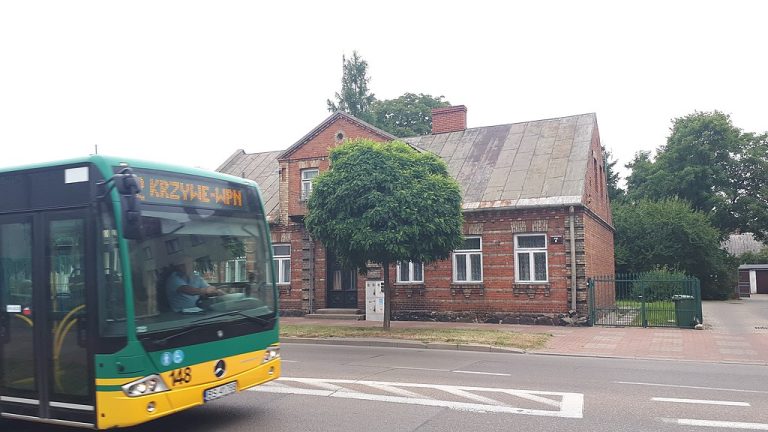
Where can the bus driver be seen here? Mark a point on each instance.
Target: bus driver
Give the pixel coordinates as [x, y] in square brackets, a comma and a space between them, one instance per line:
[184, 286]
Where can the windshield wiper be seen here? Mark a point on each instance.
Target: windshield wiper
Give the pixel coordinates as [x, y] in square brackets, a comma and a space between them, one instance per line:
[164, 341]
[255, 319]
[198, 323]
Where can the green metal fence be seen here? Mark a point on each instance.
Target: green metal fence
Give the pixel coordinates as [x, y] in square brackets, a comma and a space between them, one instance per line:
[645, 300]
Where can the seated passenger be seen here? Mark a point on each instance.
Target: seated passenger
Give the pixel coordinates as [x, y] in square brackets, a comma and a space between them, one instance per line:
[184, 287]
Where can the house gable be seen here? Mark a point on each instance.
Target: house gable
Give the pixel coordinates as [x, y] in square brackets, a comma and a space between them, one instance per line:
[338, 127]
[311, 152]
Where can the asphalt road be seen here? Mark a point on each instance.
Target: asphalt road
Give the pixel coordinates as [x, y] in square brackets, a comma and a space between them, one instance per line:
[340, 388]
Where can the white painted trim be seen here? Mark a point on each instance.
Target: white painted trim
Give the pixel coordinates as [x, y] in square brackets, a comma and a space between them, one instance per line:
[19, 400]
[752, 282]
[72, 406]
[48, 421]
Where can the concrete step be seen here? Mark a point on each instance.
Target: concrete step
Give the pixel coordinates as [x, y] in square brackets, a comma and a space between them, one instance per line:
[332, 316]
[339, 311]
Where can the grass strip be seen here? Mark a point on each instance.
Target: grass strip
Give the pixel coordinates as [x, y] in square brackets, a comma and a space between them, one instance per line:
[498, 338]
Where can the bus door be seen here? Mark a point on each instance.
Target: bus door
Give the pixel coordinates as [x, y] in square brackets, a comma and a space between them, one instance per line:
[45, 371]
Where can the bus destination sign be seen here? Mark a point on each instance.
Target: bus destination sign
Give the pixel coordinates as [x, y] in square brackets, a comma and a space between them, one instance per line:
[168, 188]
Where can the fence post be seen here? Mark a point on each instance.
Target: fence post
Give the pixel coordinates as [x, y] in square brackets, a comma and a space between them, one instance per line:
[643, 317]
[591, 293]
[697, 286]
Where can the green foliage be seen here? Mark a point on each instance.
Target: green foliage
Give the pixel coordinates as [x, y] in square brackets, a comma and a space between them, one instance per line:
[408, 115]
[615, 193]
[670, 233]
[714, 166]
[355, 98]
[660, 284]
[385, 202]
[747, 191]
[760, 257]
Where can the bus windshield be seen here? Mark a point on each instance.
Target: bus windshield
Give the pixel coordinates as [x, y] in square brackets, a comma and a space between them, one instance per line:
[199, 265]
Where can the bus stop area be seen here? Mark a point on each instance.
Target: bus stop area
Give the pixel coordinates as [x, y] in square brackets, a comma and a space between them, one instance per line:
[735, 331]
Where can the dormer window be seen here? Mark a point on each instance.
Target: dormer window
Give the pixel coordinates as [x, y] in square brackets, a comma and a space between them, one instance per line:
[307, 176]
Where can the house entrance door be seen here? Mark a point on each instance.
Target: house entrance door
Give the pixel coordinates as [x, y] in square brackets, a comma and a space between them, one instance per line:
[342, 286]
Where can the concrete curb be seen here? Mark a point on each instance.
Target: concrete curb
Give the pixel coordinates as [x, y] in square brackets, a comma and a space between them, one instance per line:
[397, 343]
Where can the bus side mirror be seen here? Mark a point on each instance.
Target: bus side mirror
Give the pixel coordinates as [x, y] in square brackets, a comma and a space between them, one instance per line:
[127, 185]
[132, 226]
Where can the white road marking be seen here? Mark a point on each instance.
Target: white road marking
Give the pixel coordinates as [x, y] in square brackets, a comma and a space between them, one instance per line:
[567, 405]
[721, 424]
[534, 398]
[470, 396]
[690, 387]
[481, 373]
[422, 369]
[397, 391]
[288, 361]
[700, 401]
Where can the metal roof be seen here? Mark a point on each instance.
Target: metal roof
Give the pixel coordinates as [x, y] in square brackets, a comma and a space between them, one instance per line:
[753, 267]
[540, 163]
[530, 164]
[262, 168]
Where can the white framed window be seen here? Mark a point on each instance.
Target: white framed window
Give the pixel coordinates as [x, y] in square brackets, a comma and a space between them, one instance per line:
[468, 261]
[531, 258]
[307, 176]
[410, 272]
[234, 271]
[282, 256]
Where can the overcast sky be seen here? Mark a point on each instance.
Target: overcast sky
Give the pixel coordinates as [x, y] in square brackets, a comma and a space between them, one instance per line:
[191, 82]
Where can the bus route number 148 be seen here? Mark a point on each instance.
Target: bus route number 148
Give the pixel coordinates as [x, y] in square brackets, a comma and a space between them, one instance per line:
[181, 376]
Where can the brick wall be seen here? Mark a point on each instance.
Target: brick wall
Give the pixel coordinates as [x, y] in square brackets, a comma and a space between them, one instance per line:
[596, 187]
[498, 292]
[449, 119]
[599, 250]
[498, 295]
[314, 154]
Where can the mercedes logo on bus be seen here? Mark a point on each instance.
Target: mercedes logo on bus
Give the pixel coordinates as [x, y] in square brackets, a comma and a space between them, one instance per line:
[220, 369]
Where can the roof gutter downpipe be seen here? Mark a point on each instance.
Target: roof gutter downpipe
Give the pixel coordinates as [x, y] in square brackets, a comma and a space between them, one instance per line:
[573, 258]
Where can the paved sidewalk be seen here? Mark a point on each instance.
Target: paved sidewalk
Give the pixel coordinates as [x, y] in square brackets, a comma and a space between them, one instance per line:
[735, 332]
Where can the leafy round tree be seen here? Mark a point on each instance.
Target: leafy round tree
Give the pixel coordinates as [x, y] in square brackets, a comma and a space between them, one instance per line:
[670, 234]
[383, 203]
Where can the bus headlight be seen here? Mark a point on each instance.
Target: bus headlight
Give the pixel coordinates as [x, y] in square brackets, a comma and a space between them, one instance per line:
[272, 353]
[145, 386]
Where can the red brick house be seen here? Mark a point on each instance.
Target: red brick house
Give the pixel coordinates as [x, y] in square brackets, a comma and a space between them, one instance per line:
[528, 189]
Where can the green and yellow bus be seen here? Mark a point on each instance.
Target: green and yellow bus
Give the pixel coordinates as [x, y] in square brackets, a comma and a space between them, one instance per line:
[92, 331]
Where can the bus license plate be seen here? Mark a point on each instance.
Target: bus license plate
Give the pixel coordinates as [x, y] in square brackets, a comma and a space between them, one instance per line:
[220, 391]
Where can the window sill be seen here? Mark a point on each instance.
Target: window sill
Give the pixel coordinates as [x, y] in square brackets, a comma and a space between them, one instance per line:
[531, 289]
[468, 289]
[409, 289]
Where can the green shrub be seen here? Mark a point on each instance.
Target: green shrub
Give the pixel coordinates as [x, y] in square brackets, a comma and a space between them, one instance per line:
[661, 284]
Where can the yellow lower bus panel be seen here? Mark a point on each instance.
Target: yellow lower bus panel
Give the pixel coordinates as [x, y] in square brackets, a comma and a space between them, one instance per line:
[116, 409]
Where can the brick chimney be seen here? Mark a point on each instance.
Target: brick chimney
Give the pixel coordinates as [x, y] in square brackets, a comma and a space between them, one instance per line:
[449, 119]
